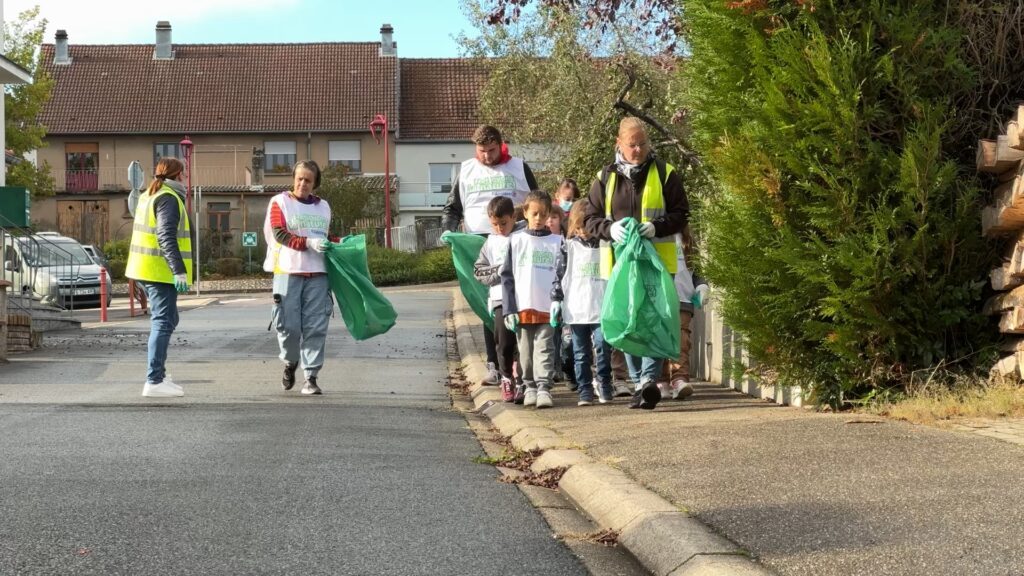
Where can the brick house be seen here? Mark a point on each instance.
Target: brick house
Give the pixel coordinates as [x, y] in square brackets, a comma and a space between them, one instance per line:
[251, 111]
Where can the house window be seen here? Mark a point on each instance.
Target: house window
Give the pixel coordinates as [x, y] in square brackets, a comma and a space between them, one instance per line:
[82, 163]
[165, 150]
[441, 176]
[220, 216]
[278, 157]
[345, 153]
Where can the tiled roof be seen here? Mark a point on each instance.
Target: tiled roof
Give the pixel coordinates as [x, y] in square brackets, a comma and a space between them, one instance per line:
[374, 182]
[440, 98]
[219, 88]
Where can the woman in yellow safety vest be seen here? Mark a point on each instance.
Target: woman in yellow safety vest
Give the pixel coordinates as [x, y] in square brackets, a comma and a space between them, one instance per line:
[160, 258]
[639, 186]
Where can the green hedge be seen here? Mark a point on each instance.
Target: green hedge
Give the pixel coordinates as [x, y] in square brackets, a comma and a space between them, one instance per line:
[393, 267]
[844, 238]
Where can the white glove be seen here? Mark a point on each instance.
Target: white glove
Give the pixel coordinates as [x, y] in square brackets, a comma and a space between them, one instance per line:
[618, 232]
[646, 230]
[700, 296]
[181, 283]
[556, 314]
[512, 322]
[317, 244]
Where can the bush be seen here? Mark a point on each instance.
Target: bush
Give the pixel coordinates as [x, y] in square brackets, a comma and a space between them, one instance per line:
[845, 237]
[117, 250]
[116, 268]
[229, 267]
[393, 267]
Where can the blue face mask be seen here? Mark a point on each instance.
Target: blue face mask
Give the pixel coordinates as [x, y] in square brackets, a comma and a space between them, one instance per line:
[565, 204]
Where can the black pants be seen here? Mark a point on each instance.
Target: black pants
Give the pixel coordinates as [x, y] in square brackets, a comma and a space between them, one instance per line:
[504, 343]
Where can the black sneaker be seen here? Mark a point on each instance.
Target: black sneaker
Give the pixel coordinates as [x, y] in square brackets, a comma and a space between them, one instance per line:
[311, 388]
[288, 379]
[649, 396]
[520, 394]
[636, 401]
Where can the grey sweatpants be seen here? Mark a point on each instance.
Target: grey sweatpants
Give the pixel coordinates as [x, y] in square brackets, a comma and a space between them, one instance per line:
[301, 318]
[537, 355]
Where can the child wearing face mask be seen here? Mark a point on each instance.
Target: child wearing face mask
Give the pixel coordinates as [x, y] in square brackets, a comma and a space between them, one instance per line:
[567, 193]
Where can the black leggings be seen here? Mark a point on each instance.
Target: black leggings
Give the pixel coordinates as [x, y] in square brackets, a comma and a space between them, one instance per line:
[505, 344]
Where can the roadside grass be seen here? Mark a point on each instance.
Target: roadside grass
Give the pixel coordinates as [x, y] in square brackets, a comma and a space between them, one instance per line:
[963, 399]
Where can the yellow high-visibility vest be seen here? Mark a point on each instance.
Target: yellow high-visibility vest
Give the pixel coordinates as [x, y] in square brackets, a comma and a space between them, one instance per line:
[652, 205]
[145, 260]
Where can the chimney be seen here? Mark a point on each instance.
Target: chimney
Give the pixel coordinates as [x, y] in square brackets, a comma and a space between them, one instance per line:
[387, 47]
[162, 50]
[61, 57]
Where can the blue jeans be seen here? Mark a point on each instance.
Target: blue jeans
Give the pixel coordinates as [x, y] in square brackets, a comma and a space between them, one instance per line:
[163, 315]
[642, 369]
[588, 343]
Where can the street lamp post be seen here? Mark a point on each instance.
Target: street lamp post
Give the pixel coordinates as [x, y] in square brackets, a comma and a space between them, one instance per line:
[186, 147]
[380, 122]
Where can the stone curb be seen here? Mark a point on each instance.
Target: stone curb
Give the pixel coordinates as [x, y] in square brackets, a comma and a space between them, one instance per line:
[666, 540]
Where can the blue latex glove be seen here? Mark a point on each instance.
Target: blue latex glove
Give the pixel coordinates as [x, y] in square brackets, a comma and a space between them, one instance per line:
[328, 245]
[556, 314]
[181, 283]
[512, 322]
[700, 296]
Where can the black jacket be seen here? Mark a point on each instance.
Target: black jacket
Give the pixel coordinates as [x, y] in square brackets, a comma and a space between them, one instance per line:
[627, 199]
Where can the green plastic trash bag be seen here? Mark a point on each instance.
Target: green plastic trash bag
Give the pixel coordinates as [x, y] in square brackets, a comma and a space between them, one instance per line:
[367, 313]
[465, 251]
[640, 312]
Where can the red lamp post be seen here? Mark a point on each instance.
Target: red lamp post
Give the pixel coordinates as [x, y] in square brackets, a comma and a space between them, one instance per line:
[379, 125]
[186, 147]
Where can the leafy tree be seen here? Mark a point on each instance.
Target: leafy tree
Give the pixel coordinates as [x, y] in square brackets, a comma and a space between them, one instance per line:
[846, 234]
[24, 103]
[351, 198]
[559, 77]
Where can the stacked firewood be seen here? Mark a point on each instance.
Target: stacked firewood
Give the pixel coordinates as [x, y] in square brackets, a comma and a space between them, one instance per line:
[1004, 218]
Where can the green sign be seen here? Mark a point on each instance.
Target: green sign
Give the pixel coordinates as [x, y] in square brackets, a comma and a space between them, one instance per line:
[248, 239]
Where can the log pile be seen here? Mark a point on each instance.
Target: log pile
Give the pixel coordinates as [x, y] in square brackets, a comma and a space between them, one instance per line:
[1004, 219]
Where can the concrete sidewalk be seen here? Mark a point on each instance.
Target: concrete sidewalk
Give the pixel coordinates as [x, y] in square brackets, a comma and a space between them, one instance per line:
[722, 478]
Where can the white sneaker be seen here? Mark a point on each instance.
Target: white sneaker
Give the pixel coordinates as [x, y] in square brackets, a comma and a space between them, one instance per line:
[622, 389]
[164, 389]
[544, 399]
[493, 377]
[167, 380]
[681, 389]
[530, 397]
[601, 398]
[664, 389]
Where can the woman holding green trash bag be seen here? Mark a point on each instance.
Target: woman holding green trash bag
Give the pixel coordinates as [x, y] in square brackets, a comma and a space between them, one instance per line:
[638, 186]
[296, 233]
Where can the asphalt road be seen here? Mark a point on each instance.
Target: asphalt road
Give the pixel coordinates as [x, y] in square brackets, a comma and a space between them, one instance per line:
[239, 477]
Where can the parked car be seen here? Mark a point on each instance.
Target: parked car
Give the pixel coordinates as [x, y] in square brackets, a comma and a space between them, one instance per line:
[97, 255]
[53, 268]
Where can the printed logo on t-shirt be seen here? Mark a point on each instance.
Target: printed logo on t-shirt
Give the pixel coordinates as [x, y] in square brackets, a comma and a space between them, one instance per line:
[588, 270]
[543, 259]
[297, 222]
[494, 183]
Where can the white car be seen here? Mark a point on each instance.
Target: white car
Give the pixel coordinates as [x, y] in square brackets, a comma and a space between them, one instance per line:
[53, 268]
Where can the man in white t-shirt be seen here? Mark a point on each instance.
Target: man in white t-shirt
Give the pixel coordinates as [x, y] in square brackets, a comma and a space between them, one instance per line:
[491, 173]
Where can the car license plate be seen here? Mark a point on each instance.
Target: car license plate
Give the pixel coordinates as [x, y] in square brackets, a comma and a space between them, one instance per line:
[84, 291]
